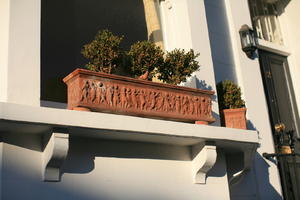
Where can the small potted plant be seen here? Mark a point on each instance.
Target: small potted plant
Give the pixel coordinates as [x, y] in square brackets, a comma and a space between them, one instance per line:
[231, 105]
[98, 89]
[104, 52]
[178, 66]
[145, 57]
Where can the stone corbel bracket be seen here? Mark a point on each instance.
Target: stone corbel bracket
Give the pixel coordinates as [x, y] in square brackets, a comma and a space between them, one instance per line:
[55, 153]
[248, 154]
[204, 158]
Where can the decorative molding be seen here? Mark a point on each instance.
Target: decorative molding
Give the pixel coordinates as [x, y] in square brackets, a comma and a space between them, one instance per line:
[55, 153]
[204, 158]
[103, 92]
[273, 47]
[249, 154]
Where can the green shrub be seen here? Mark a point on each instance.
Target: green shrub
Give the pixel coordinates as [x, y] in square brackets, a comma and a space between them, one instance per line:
[104, 52]
[144, 60]
[178, 66]
[145, 57]
[229, 95]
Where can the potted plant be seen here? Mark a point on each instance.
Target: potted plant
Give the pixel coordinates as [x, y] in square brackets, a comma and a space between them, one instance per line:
[231, 105]
[97, 89]
[178, 66]
[104, 52]
[145, 57]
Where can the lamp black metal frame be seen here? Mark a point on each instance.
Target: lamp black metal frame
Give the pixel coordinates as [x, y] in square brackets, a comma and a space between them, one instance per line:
[248, 40]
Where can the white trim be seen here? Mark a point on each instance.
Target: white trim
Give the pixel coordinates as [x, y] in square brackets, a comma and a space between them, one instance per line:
[204, 139]
[272, 47]
[4, 41]
[112, 126]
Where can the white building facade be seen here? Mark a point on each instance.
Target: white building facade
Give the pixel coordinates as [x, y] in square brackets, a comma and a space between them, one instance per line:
[49, 152]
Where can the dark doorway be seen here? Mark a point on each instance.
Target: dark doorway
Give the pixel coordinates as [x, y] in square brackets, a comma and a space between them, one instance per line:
[282, 110]
[67, 25]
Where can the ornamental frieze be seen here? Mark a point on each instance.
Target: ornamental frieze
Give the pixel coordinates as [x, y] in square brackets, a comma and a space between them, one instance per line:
[122, 95]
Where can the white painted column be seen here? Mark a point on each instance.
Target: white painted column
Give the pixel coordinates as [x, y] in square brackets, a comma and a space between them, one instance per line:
[185, 26]
[289, 23]
[249, 78]
[4, 35]
[20, 51]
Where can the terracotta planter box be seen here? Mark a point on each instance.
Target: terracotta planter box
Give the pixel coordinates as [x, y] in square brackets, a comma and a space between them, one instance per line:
[234, 118]
[109, 93]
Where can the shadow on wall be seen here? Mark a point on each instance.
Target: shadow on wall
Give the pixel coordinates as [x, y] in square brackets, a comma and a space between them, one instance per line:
[201, 84]
[32, 142]
[221, 47]
[23, 175]
[251, 126]
[82, 152]
[27, 187]
[217, 170]
[246, 187]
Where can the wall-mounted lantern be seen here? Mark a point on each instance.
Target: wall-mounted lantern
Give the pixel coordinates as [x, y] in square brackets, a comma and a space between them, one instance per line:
[248, 40]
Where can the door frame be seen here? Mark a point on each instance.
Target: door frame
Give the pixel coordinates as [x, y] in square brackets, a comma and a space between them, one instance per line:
[288, 176]
[290, 89]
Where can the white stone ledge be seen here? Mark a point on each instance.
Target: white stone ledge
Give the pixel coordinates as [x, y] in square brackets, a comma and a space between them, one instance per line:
[111, 126]
[40, 120]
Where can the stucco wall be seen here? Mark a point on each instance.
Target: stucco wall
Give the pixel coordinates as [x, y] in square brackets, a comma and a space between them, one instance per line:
[114, 170]
[103, 169]
[184, 26]
[220, 40]
[291, 32]
[263, 182]
[4, 35]
[23, 65]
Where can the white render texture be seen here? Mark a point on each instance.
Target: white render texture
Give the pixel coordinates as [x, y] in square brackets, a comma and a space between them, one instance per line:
[185, 27]
[120, 157]
[291, 32]
[265, 175]
[108, 170]
[113, 156]
[4, 36]
[20, 52]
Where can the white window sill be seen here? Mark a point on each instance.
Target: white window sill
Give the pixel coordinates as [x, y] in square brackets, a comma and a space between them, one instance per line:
[119, 126]
[203, 139]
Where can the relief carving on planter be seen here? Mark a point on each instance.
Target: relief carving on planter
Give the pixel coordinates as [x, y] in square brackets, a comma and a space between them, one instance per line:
[122, 95]
[128, 97]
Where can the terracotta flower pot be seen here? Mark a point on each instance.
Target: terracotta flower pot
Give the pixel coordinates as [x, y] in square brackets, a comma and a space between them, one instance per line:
[234, 118]
[109, 93]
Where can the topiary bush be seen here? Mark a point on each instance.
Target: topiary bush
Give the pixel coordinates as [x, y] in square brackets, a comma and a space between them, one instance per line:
[178, 66]
[104, 52]
[145, 58]
[229, 95]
